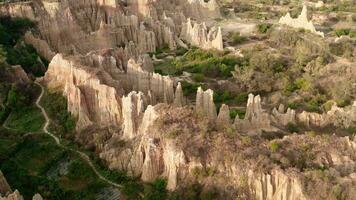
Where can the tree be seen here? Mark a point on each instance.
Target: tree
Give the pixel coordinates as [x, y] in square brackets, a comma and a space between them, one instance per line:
[2, 56]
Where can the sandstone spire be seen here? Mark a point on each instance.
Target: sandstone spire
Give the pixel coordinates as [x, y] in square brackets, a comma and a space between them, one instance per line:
[205, 103]
[199, 35]
[4, 186]
[132, 111]
[178, 97]
[282, 117]
[300, 22]
[224, 116]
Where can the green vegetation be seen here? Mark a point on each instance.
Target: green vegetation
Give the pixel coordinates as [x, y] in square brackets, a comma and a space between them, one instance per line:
[62, 122]
[235, 112]
[212, 64]
[292, 128]
[274, 146]
[17, 98]
[236, 38]
[194, 191]
[15, 50]
[29, 119]
[263, 28]
[227, 98]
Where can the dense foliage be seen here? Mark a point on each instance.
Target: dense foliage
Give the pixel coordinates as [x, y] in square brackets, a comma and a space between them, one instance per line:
[14, 50]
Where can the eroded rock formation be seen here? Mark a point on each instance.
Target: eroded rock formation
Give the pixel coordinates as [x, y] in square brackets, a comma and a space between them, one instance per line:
[199, 35]
[205, 104]
[300, 22]
[338, 117]
[256, 118]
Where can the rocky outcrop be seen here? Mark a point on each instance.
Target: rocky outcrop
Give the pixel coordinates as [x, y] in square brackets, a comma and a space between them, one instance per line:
[132, 112]
[223, 118]
[20, 74]
[13, 196]
[283, 118]
[275, 186]
[199, 35]
[160, 87]
[40, 45]
[20, 9]
[300, 22]
[178, 96]
[4, 186]
[338, 117]
[205, 104]
[89, 100]
[256, 118]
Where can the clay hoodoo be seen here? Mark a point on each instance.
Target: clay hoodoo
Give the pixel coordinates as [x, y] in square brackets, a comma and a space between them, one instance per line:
[178, 96]
[132, 112]
[205, 103]
[199, 35]
[256, 118]
[300, 22]
[283, 117]
[339, 117]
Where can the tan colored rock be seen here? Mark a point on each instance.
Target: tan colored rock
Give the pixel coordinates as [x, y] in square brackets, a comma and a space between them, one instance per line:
[88, 99]
[199, 35]
[21, 10]
[37, 197]
[300, 22]
[132, 112]
[339, 117]
[275, 186]
[223, 118]
[160, 87]
[178, 96]
[205, 103]
[13, 196]
[4, 186]
[20, 74]
[41, 46]
[282, 117]
[256, 118]
[174, 158]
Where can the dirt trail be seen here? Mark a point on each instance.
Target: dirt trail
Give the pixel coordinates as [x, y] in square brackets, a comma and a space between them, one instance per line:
[57, 140]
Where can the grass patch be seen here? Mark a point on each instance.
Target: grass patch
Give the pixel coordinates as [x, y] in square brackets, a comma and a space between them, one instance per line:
[27, 120]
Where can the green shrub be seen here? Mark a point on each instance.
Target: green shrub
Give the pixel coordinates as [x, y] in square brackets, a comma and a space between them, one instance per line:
[303, 84]
[56, 107]
[263, 28]
[241, 98]
[198, 77]
[341, 32]
[292, 128]
[236, 38]
[189, 88]
[327, 106]
[235, 112]
[157, 191]
[343, 102]
[274, 146]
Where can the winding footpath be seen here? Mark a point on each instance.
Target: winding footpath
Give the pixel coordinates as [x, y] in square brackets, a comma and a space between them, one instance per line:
[57, 140]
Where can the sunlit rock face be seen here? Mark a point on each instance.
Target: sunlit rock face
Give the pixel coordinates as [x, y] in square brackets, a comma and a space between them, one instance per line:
[300, 22]
[88, 98]
[199, 35]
